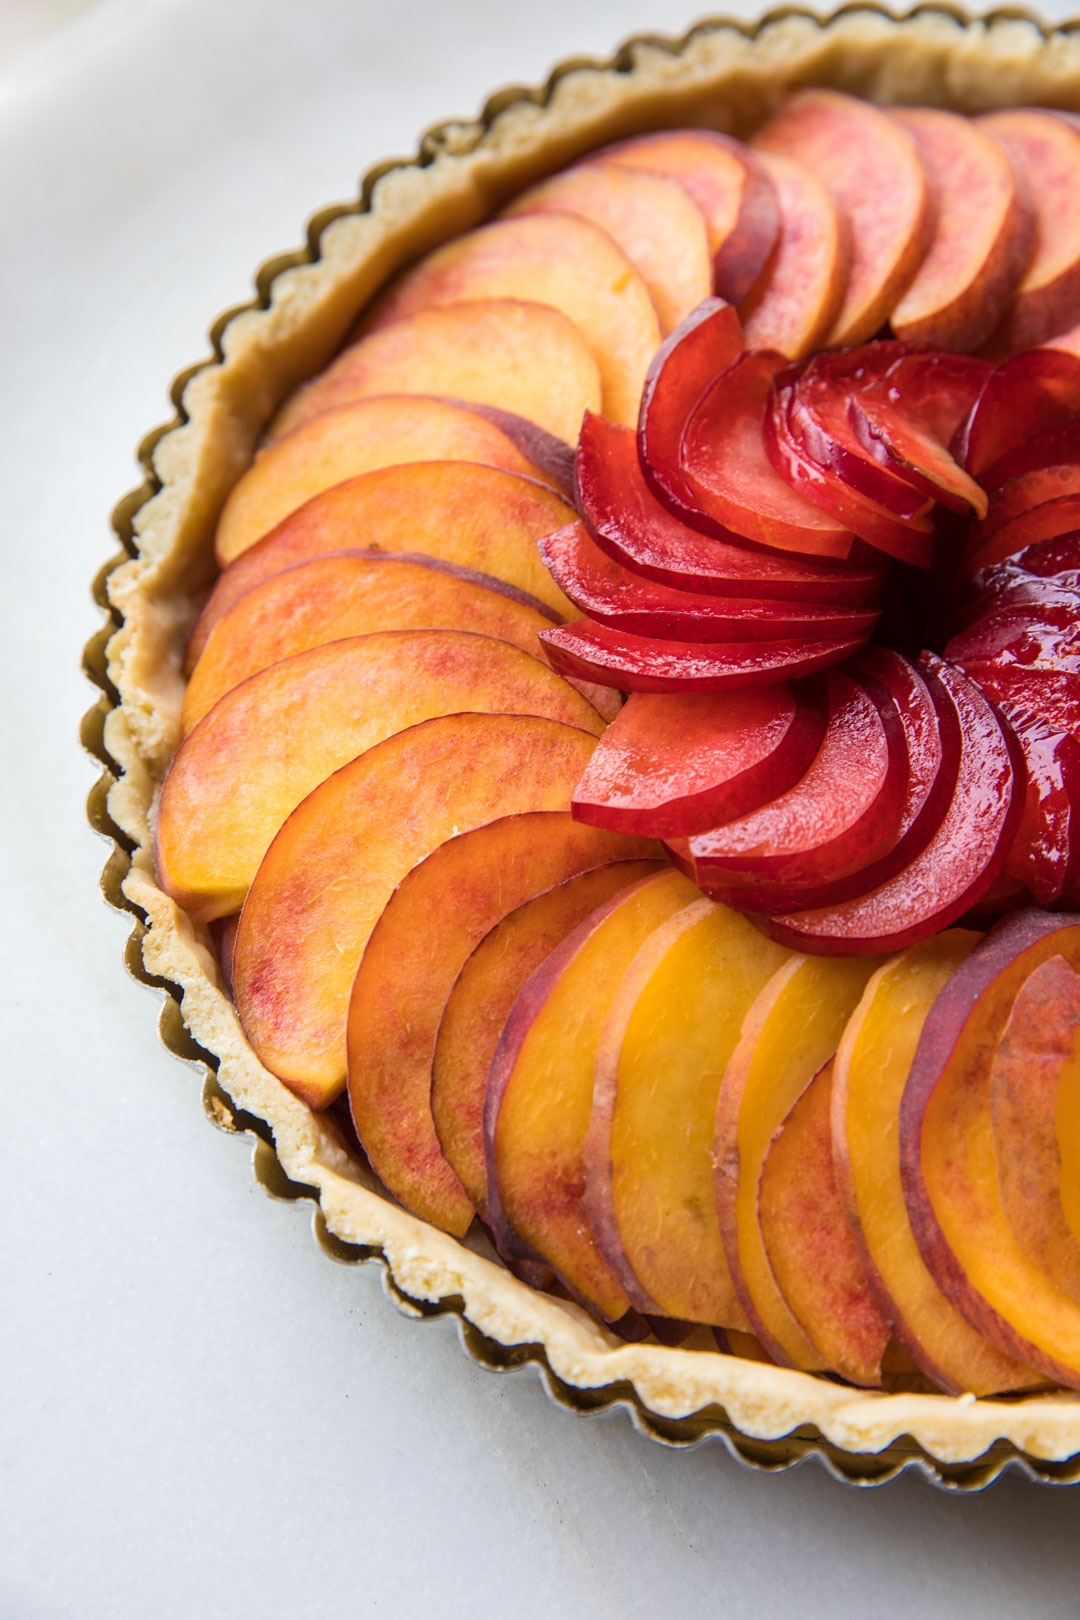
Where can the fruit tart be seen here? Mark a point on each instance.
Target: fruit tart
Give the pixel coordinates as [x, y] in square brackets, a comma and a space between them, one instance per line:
[594, 732]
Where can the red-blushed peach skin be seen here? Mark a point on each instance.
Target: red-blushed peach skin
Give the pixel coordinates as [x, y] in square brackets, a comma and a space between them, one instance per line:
[872, 167]
[948, 1166]
[651, 217]
[540, 1089]
[871, 1070]
[799, 294]
[277, 735]
[456, 512]
[480, 1002]
[554, 259]
[436, 916]
[352, 594]
[521, 357]
[984, 233]
[385, 430]
[329, 873]
[673, 1023]
[812, 1253]
[791, 1030]
[1036, 1056]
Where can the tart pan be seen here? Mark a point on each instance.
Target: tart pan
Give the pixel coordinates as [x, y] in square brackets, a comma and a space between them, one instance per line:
[725, 75]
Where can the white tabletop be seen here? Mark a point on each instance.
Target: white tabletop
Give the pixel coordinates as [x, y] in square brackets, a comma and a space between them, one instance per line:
[203, 1416]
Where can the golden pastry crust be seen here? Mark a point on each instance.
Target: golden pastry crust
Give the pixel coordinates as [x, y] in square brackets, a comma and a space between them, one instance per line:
[722, 76]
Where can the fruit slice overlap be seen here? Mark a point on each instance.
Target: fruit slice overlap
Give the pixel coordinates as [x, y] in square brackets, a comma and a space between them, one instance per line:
[408, 970]
[798, 296]
[327, 876]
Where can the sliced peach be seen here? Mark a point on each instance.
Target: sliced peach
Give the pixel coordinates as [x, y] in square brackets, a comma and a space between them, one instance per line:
[798, 297]
[274, 738]
[383, 431]
[352, 594]
[526, 358]
[872, 167]
[948, 1166]
[674, 1022]
[809, 1244]
[408, 970]
[983, 236]
[447, 511]
[872, 1066]
[326, 878]
[482, 997]
[1037, 1055]
[540, 1091]
[1046, 152]
[729, 185]
[652, 218]
[790, 1031]
[553, 259]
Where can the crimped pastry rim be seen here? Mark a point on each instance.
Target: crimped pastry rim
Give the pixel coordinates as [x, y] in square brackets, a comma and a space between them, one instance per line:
[305, 303]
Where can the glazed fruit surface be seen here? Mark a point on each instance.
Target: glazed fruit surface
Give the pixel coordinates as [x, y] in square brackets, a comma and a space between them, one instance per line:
[795, 427]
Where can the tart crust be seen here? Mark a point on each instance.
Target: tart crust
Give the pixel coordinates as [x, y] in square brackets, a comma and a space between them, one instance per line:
[722, 75]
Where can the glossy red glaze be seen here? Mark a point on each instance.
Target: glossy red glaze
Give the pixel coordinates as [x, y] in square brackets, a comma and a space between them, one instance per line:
[672, 764]
[1042, 636]
[1024, 396]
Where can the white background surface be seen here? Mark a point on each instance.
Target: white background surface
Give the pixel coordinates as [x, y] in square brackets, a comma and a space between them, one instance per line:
[203, 1416]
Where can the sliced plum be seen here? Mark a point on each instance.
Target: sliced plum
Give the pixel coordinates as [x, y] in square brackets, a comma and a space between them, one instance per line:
[1028, 394]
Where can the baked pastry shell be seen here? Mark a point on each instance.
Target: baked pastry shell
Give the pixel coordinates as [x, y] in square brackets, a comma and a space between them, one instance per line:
[723, 74]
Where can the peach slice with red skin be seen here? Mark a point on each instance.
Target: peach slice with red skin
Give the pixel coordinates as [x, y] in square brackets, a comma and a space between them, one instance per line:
[274, 738]
[651, 217]
[481, 1000]
[326, 878]
[554, 259]
[872, 1065]
[1036, 1056]
[984, 233]
[676, 764]
[529, 359]
[730, 186]
[457, 512]
[540, 1089]
[948, 1166]
[408, 970]
[677, 1013]
[627, 522]
[798, 295]
[385, 430]
[353, 594]
[1046, 152]
[872, 167]
[810, 1248]
[791, 1030]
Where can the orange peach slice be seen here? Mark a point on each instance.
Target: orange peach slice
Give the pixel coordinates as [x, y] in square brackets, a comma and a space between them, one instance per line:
[948, 1164]
[526, 358]
[1046, 152]
[809, 1244]
[326, 878]
[673, 1024]
[540, 1091]
[383, 431]
[269, 741]
[553, 259]
[871, 1071]
[983, 236]
[652, 218]
[437, 914]
[1037, 1055]
[730, 187]
[447, 511]
[483, 995]
[872, 167]
[352, 594]
[791, 1030]
[798, 297]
